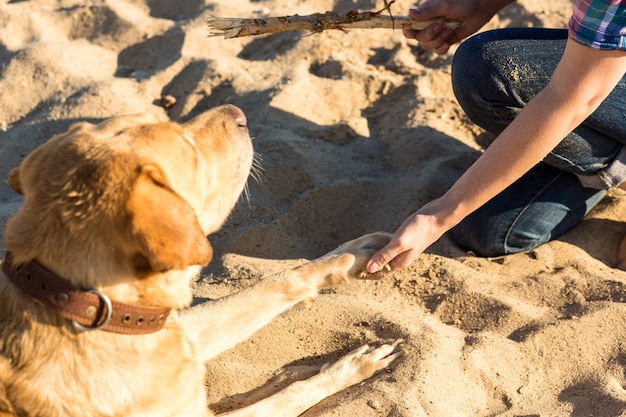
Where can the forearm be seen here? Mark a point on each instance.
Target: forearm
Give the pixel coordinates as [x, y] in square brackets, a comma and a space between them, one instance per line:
[575, 91]
[525, 142]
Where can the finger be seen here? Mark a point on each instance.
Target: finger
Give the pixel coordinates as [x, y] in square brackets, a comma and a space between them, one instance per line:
[403, 260]
[435, 38]
[409, 33]
[442, 49]
[447, 35]
[448, 38]
[429, 34]
[426, 11]
[381, 258]
[417, 14]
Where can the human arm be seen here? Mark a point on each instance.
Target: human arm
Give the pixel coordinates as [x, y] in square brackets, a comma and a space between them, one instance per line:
[583, 78]
[471, 14]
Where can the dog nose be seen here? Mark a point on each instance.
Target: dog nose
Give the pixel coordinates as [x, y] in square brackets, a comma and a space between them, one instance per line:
[238, 115]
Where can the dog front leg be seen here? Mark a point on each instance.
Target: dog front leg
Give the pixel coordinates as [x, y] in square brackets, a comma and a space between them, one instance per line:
[216, 326]
[219, 325]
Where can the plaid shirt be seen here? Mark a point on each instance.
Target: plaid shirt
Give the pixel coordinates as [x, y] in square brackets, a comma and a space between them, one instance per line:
[600, 24]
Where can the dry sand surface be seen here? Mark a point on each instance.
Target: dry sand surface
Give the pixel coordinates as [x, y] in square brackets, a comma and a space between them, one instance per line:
[356, 131]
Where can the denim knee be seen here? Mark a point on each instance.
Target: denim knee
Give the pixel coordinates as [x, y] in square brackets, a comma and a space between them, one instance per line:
[481, 236]
[541, 206]
[491, 75]
[497, 234]
[469, 78]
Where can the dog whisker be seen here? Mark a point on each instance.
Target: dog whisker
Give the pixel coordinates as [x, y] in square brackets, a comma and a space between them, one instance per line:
[246, 194]
[256, 173]
[257, 170]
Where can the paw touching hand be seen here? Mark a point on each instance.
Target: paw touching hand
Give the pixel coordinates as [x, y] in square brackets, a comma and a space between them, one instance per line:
[350, 258]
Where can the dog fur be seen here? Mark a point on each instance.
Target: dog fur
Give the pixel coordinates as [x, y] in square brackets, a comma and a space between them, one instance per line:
[124, 207]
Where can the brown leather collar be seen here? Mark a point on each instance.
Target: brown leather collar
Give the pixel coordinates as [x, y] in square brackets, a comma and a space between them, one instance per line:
[88, 310]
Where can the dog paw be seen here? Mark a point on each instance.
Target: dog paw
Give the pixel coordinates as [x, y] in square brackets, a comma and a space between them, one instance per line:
[361, 364]
[349, 260]
[337, 267]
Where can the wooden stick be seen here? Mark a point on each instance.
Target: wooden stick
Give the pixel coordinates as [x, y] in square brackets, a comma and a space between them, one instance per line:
[316, 23]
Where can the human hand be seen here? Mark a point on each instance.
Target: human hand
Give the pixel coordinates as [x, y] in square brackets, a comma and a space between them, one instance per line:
[470, 14]
[417, 232]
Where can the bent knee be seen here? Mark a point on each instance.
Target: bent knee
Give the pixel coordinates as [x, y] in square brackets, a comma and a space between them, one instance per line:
[485, 237]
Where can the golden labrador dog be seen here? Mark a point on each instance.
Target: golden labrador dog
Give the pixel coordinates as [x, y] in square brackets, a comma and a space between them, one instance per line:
[95, 289]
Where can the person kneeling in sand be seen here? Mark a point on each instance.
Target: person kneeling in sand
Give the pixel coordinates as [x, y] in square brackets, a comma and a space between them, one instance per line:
[555, 101]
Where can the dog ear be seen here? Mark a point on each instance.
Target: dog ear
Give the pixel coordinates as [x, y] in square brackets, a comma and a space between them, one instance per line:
[164, 225]
[14, 180]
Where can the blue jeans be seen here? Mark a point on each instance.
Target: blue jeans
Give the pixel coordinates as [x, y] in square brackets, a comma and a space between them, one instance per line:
[494, 74]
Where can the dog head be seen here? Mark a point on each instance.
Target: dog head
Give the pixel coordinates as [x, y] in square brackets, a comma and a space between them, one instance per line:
[130, 195]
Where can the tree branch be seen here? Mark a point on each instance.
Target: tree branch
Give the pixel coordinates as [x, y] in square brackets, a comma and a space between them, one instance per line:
[316, 23]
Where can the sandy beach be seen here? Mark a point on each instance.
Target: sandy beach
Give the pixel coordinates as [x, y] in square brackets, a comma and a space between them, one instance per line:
[355, 131]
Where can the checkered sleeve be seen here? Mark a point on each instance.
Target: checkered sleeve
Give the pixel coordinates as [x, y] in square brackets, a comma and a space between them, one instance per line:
[600, 24]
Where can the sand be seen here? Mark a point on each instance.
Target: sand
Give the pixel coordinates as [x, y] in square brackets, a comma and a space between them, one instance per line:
[355, 130]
